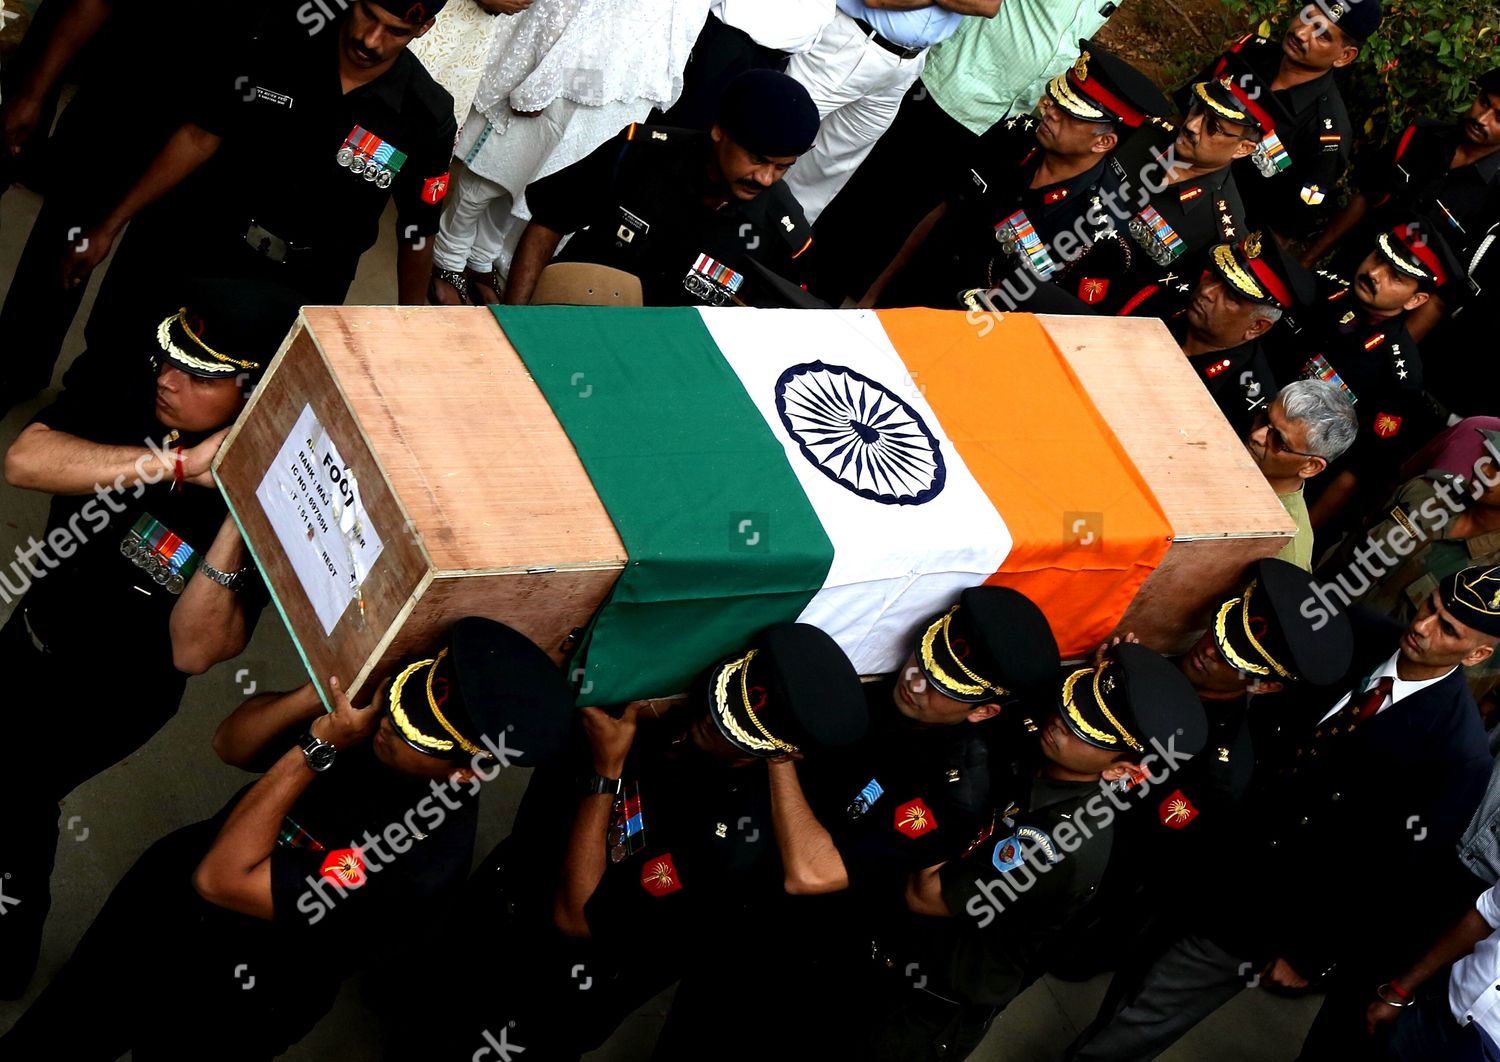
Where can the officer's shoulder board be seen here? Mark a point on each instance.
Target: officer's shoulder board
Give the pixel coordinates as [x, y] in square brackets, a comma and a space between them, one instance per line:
[1249, 40]
[641, 133]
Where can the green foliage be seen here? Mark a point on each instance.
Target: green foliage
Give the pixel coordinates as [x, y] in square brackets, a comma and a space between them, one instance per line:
[1422, 62]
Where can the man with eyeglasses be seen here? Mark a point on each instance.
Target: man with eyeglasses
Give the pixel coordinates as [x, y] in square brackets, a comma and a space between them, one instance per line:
[1171, 197]
[1295, 168]
[1292, 439]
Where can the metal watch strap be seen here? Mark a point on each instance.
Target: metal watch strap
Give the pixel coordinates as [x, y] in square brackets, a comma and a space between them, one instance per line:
[229, 580]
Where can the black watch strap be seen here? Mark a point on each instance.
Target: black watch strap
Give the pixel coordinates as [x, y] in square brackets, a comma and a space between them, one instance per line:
[599, 785]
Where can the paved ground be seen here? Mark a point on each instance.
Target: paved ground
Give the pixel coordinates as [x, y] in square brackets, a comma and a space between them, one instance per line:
[177, 780]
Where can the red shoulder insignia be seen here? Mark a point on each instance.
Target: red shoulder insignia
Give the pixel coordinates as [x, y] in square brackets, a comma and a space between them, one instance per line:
[659, 876]
[1176, 811]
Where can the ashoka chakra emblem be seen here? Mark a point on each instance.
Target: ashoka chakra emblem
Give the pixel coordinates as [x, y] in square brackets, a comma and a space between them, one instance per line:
[859, 434]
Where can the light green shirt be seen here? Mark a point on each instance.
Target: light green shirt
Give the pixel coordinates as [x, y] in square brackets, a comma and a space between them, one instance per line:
[1299, 550]
[995, 67]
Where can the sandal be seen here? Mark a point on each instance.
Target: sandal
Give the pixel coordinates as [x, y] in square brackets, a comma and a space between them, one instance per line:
[483, 285]
[455, 280]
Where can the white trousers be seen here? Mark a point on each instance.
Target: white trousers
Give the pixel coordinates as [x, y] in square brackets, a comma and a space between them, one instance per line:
[477, 228]
[858, 87]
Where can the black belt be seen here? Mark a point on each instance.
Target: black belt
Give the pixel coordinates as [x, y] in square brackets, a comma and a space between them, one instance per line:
[889, 45]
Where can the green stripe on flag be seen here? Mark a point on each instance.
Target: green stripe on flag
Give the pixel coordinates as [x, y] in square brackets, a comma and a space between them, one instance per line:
[722, 540]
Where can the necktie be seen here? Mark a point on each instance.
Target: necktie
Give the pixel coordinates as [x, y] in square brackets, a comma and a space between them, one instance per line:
[1372, 700]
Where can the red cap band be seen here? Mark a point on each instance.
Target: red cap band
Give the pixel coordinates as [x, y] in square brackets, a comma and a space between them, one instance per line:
[1270, 281]
[1095, 91]
[1423, 253]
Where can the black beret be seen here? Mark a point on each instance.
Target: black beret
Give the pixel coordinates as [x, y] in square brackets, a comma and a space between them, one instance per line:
[993, 645]
[1473, 597]
[768, 113]
[414, 12]
[225, 327]
[1358, 19]
[1490, 82]
[1264, 631]
[1258, 269]
[792, 690]
[1134, 699]
[489, 692]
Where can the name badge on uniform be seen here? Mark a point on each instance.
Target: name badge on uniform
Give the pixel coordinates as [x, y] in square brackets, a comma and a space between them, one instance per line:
[712, 281]
[156, 550]
[1271, 156]
[366, 154]
[281, 99]
[1017, 232]
[1158, 239]
[631, 226]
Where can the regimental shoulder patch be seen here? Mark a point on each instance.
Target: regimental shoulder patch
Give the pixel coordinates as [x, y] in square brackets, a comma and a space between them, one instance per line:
[434, 189]
[1007, 854]
[1092, 290]
[915, 819]
[1399, 515]
[1176, 811]
[659, 876]
[344, 867]
[1387, 425]
[1039, 839]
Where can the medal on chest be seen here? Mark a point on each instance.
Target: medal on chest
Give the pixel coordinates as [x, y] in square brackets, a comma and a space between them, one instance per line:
[1017, 233]
[627, 824]
[712, 281]
[160, 553]
[1158, 239]
[376, 160]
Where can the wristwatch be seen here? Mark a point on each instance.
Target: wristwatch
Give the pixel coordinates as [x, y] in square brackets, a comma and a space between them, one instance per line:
[599, 785]
[234, 581]
[318, 753]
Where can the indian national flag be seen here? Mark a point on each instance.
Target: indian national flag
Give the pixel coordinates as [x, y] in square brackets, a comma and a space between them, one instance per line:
[850, 469]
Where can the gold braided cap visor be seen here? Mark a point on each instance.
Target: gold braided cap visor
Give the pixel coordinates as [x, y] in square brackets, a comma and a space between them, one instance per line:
[1237, 275]
[414, 735]
[967, 686]
[756, 737]
[1227, 649]
[1064, 96]
[1081, 726]
[194, 359]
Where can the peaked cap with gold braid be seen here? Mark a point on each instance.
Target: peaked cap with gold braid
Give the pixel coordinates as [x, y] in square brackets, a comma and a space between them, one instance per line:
[225, 328]
[1263, 630]
[489, 688]
[993, 645]
[1133, 700]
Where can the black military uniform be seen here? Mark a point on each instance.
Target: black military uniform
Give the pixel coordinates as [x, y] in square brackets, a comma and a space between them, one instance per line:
[1240, 379]
[296, 191]
[1410, 175]
[998, 229]
[1025, 879]
[691, 847]
[646, 204]
[1159, 250]
[80, 184]
[1374, 358]
[1356, 798]
[340, 898]
[128, 551]
[1288, 182]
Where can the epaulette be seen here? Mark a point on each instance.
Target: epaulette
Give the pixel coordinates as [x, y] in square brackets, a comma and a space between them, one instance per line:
[639, 131]
[1226, 220]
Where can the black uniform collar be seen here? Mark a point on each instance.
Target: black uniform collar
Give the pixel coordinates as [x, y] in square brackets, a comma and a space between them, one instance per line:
[1073, 186]
[1299, 97]
[1214, 363]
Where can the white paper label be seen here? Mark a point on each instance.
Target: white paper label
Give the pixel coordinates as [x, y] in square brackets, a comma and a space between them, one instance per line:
[311, 498]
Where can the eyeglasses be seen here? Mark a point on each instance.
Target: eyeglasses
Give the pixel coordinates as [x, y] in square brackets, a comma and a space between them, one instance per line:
[1275, 441]
[1213, 126]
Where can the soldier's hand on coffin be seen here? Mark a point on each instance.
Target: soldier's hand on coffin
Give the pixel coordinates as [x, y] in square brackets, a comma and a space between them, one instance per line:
[347, 725]
[197, 461]
[610, 738]
[1105, 647]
